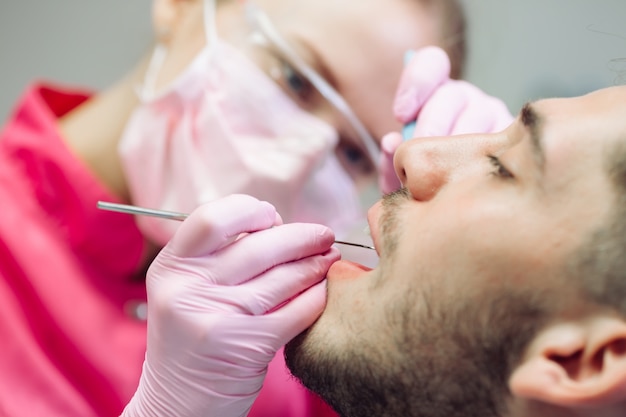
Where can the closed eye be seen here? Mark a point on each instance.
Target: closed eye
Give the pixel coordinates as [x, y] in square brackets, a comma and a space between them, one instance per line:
[499, 170]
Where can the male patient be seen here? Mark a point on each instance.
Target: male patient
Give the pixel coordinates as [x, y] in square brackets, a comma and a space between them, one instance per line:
[501, 287]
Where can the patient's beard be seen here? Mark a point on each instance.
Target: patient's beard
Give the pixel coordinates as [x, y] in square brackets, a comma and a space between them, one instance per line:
[446, 357]
[442, 363]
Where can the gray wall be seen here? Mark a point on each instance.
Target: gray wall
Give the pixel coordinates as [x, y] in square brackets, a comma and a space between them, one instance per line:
[529, 49]
[520, 50]
[88, 43]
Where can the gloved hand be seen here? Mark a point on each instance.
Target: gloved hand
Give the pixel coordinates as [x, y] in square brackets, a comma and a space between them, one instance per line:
[224, 295]
[442, 107]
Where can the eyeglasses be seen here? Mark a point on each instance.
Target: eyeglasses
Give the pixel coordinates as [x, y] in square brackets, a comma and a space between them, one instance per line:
[264, 33]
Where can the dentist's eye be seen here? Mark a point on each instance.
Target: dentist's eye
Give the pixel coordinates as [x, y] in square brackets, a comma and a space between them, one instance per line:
[296, 83]
[354, 160]
[499, 170]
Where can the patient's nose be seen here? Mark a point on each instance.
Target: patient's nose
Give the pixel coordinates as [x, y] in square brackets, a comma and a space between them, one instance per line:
[426, 165]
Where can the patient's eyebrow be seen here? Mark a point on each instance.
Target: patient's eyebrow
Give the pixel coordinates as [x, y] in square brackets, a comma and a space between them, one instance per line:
[532, 120]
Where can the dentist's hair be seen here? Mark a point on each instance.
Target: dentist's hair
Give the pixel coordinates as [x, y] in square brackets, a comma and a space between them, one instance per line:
[451, 23]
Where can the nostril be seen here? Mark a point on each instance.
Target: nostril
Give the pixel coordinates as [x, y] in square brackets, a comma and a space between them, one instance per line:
[425, 185]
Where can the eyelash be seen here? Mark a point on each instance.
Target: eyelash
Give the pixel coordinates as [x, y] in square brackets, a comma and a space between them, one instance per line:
[499, 170]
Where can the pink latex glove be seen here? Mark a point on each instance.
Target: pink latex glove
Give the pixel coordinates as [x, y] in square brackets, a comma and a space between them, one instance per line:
[442, 107]
[225, 294]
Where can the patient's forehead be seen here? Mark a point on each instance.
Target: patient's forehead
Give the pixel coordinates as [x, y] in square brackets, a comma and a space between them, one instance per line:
[594, 123]
[606, 107]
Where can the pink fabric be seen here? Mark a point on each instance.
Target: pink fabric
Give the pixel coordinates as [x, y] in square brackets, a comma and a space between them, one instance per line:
[67, 278]
[282, 396]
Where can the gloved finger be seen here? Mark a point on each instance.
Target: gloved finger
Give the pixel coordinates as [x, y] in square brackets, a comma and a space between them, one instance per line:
[439, 114]
[476, 119]
[424, 73]
[388, 180]
[216, 224]
[295, 316]
[258, 252]
[483, 113]
[283, 282]
[504, 117]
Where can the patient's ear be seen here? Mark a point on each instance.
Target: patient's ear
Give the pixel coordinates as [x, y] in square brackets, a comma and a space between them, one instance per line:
[575, 364]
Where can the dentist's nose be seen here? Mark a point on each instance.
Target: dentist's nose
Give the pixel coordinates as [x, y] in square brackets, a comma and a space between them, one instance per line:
[426, 165]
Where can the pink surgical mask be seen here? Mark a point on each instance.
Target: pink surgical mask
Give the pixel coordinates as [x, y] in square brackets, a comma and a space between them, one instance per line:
[222, 127]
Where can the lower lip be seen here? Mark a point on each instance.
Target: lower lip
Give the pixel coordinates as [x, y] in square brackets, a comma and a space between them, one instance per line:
[344, 269]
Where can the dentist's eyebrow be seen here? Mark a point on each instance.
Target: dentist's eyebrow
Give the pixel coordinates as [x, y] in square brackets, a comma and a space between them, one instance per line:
[311, 56]
[532, 120]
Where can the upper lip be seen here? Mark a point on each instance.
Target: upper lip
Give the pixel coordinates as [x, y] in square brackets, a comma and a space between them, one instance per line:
[373, 216]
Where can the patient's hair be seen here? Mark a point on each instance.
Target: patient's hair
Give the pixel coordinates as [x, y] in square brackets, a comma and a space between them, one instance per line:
[451, 22]
[600, 264]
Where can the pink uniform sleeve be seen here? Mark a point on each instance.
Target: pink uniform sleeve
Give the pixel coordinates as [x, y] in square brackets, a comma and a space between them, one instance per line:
[283, 395]
[71, 286]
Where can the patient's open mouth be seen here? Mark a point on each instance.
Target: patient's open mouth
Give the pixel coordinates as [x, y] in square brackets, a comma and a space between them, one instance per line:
[345, 269]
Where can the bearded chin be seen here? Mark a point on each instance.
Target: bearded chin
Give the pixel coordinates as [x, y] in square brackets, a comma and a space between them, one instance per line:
[436, 370]
[328, 375]
[353, 380]
[352, 384]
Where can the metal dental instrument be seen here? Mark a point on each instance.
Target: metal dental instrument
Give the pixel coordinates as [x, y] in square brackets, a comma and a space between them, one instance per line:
[127, 208]
[172, 215]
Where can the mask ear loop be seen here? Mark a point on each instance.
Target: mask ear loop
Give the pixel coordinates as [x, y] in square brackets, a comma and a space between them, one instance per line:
[263, 24]
[210, 29]
[146, 90]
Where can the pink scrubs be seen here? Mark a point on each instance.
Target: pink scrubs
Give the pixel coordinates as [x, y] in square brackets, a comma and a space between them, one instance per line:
[72, 337]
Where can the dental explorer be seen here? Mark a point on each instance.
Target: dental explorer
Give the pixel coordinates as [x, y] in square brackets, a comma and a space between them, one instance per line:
[172, 215]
